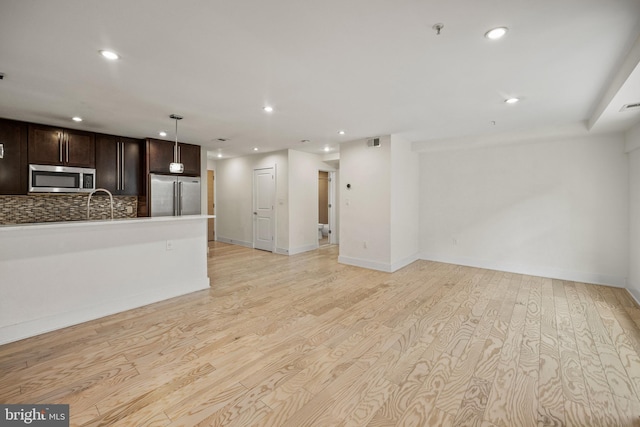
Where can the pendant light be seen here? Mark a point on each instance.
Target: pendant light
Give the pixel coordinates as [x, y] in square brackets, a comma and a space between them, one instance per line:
[176, 166]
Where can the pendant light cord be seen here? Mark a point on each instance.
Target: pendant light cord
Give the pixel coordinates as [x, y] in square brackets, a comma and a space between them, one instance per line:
[175, 147]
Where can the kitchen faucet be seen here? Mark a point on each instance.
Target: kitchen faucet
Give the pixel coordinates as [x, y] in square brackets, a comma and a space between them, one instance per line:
[89, 200]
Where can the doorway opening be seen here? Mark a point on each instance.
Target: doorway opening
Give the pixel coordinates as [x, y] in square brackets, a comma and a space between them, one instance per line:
[211, 206]
[326, 208]
[323, 208]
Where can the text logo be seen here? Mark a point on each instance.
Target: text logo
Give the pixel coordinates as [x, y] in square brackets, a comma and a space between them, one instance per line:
[34, 415]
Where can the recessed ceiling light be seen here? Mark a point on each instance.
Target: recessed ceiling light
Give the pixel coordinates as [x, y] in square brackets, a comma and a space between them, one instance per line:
[496, 33]
[255, 148]
[219, 155]
[76, 119]
[327, 149]
[341, 132]
[162, 133]
[109, 54]
[512, 100]
[268, 108]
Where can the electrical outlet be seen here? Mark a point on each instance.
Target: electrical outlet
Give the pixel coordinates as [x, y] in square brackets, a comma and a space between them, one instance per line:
[129, 209]
[169, 245]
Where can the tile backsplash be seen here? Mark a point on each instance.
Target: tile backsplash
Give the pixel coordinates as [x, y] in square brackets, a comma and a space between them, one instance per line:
[63, 207]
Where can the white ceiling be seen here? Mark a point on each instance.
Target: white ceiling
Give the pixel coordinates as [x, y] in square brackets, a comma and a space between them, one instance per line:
[370, 67]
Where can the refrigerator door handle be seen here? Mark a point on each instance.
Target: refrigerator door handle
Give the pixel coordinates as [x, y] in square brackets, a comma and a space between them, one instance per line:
[175, 197]
[179, 198]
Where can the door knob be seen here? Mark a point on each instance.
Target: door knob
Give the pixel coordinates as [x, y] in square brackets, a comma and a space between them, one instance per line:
[255, 213]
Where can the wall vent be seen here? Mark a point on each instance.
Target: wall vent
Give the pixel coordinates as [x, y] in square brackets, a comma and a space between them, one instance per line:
[373, 142]
[633, 106]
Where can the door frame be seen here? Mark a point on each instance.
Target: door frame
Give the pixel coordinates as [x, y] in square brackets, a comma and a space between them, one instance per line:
[274, 216]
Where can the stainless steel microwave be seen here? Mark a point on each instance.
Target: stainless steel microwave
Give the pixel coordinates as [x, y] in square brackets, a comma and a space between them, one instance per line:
[61, 179]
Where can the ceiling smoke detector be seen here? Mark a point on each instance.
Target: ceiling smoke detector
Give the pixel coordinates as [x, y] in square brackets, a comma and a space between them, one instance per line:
[627, 107]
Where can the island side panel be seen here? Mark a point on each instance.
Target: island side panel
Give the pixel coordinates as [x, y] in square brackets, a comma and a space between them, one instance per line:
[60, 275]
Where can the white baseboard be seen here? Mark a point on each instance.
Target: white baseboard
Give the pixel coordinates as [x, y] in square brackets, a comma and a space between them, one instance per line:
[282, 251]
[301, 249]
[371, 265]
[635, 294]
[42, 325]
[375, 265]
[395, 266]
[554, 273]
[235, 242]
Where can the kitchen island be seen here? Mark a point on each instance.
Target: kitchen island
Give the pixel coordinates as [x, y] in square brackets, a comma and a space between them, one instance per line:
[54, 275]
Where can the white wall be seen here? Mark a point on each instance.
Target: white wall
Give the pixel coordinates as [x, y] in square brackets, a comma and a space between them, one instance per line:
[303, 200]
[555, 208]
[405, 197]
[234, 198]
[365, 213]
[633, 148]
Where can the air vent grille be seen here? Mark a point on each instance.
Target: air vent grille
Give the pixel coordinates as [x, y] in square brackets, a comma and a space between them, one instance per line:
[627, 107]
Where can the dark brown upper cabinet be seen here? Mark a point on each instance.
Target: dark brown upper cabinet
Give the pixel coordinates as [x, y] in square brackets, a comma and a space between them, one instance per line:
[13, 157]
[57, 146]
[119, 164]
[189, 156]
[161, 155]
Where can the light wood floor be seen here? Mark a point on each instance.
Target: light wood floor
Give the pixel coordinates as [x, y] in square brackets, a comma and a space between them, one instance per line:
[302, 340]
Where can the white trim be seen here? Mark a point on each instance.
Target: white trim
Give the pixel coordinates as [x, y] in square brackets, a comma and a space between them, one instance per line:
[301, 249]
[570, 131]
[395, 266]
[574, 276]
[333, 236]
[235, 242]
[282, 251]
[42, 325]
[635, 294]
[372, 265]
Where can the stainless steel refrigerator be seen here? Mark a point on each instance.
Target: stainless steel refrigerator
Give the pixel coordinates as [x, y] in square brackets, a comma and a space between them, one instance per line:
[174, 195]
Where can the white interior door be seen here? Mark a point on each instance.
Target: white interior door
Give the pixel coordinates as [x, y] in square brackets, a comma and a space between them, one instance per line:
[264, 189]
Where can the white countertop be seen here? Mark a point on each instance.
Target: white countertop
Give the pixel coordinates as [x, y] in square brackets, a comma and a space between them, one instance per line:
[106, 222]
